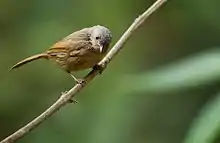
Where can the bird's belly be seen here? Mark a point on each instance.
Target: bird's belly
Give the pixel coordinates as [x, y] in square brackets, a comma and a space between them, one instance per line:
[83, 62]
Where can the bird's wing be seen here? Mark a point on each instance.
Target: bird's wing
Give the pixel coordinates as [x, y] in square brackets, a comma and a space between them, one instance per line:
[83, 34]
[73, 42]
[58, 49]
[70, 47]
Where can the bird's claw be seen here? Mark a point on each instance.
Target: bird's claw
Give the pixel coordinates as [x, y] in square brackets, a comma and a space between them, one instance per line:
[73, 101]
[80, 81]
[99, 68]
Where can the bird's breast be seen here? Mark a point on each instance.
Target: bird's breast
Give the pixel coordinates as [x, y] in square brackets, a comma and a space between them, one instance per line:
[84, 60]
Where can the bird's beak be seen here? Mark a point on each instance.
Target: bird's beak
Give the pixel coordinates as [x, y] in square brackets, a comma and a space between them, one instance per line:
[101, 47]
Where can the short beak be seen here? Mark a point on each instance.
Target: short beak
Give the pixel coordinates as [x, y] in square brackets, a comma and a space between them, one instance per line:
[101, 47]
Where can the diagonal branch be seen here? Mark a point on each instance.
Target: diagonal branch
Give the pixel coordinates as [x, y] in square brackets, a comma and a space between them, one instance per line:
[67, 97]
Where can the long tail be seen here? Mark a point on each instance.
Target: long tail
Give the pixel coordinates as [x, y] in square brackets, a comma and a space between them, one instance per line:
[30, 59]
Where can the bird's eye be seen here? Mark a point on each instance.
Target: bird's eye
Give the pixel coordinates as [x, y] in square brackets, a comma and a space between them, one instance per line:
[97, 38]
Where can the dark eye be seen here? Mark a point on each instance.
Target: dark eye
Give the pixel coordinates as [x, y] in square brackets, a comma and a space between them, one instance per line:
[97, 38]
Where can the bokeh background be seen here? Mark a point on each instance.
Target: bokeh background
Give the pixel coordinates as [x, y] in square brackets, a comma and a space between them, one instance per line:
[163, 87]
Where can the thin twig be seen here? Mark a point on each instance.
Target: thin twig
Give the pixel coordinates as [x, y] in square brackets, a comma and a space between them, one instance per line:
[67, 97]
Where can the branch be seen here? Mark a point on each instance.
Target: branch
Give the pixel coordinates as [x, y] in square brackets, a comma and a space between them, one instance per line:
[68, 96]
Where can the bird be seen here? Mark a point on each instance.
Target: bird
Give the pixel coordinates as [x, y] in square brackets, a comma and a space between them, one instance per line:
[78, 51]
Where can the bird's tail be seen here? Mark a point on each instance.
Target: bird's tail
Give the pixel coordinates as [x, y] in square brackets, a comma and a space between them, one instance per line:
[30, 59]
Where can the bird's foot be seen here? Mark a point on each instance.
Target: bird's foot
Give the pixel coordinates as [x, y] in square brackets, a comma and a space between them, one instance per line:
[99, 68]
[80, 81]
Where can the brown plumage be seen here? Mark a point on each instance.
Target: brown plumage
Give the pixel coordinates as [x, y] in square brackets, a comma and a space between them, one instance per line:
[29, 59]
[78, 51]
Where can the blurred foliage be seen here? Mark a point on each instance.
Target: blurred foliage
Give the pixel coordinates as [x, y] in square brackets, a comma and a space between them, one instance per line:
[163, 87]
[206, 127]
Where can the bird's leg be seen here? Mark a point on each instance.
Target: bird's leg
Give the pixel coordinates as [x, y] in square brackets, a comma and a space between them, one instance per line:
[78, 81]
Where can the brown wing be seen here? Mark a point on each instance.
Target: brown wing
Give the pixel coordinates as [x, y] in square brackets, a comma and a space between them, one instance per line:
[79, 48]
[72, 42]
[59, 49]
[74, 52]
[68, 53]
[83, 34]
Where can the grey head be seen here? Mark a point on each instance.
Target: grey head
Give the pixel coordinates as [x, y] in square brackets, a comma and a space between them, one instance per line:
[101, 36]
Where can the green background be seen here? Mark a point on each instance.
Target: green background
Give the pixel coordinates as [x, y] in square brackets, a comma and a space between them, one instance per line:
[163, 87]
